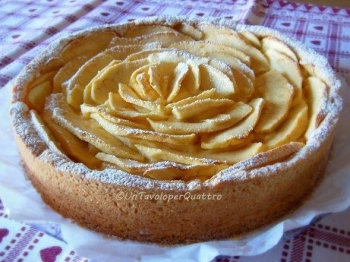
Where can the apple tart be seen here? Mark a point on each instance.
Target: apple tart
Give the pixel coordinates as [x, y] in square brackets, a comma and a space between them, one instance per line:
[171, 131]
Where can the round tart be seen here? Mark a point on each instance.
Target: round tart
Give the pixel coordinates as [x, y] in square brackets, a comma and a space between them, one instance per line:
[171, 131]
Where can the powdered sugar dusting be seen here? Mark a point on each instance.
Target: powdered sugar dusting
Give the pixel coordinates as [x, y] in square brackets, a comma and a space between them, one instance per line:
[33, 136]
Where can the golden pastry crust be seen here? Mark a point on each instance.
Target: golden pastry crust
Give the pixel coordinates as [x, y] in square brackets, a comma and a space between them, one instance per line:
[247, 195]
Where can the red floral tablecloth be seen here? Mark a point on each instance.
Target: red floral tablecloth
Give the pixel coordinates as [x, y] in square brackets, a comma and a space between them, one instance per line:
[26, 27]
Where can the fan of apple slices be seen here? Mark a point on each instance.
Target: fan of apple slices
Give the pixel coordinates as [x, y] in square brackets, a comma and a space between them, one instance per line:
[176, 102]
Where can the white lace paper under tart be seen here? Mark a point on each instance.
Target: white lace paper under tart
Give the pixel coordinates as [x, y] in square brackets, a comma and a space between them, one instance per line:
[23, 203]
